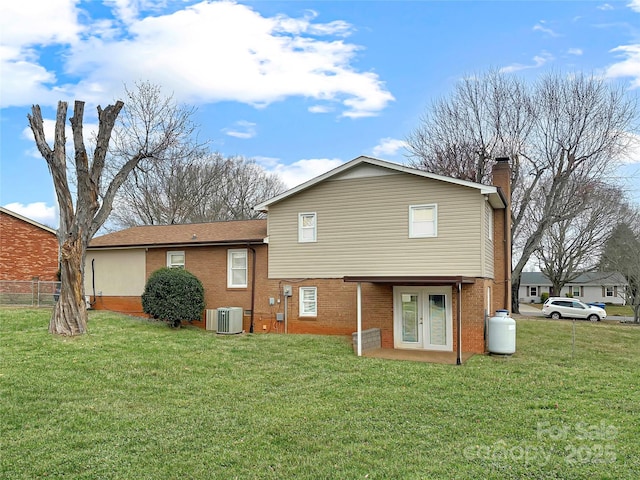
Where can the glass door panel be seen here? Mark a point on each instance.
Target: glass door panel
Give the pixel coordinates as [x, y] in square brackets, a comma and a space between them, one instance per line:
[437, 319]
[410, 321]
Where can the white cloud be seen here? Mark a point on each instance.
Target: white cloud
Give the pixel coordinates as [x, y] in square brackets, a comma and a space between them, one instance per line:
[242, 129]
[538, 61]
[540, 27]
[388, 147]
[629, 67]
[231, 53]
[605, 6]
[34, 22]
[634, 5]
[320, 109]
[575, 51]
[26, 25]
[298, 172]
[37, 211]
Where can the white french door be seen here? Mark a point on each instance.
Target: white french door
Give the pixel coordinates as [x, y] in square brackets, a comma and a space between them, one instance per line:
[422, 318]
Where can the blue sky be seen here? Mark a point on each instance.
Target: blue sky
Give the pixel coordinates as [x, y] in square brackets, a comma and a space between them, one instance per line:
[301, 86]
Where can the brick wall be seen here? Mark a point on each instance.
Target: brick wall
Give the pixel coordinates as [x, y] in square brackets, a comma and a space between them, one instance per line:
[473, 316]
[336, 299]
[501, 292]
[26, 251]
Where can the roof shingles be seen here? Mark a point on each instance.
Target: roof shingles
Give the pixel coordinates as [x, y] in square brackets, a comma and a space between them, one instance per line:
[236, 231]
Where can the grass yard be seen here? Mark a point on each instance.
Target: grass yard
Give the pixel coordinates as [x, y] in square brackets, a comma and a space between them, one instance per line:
[137, 400]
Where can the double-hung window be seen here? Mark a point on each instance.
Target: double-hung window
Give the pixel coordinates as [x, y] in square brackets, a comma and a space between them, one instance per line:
[489, 220]
[307, 227]
[609, 292]
[237, 268]
[175, 259]
[423, 221]
[308, 301]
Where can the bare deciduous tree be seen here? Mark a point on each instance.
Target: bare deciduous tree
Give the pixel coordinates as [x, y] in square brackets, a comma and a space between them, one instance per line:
[207, 189]
[573, 245]
[97, 180]
[622, 254]
[555, 131]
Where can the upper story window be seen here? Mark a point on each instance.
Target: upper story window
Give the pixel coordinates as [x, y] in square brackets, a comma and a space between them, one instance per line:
[489, 220]
[175, 259]
[423, 221]
[307, 228]
[237, 268]
[308, 301]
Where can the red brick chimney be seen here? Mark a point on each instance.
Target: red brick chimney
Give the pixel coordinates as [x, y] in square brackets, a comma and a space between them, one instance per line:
[502, 233]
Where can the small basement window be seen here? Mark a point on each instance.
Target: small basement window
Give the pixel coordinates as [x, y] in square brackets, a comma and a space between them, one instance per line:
[175, 259]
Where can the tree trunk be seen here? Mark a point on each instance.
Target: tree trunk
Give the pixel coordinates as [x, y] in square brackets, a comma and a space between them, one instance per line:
[70, 312]
[557, 288]
[515, 291]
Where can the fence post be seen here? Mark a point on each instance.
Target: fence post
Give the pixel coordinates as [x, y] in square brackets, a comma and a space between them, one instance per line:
[34, 290]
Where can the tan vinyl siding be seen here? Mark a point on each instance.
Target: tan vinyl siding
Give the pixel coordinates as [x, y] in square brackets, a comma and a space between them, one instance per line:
[117, 272]
[363, 229]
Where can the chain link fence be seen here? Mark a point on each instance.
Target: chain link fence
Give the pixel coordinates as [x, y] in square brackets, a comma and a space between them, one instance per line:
[27, 293]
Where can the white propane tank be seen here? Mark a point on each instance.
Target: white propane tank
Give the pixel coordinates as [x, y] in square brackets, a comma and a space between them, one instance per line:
[502, 333]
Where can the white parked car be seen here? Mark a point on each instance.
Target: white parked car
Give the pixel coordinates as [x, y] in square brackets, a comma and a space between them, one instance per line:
[562, 307]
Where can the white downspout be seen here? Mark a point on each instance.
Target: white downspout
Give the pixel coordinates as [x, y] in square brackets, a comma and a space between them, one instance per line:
[459, 321]
[359, 314]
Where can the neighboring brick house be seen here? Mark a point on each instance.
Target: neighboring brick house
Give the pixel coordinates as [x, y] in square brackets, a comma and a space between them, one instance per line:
[426, 257]
[28, 249]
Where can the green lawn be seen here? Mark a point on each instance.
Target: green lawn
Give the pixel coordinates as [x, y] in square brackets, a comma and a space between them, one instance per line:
[137, 400]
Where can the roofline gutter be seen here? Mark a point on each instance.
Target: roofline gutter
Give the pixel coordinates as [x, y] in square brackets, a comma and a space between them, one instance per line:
[259, 241]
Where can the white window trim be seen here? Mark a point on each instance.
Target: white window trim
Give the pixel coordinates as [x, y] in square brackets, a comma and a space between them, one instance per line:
[176, 265]
[434, 206]
[490, 225]
[531, 289]
[230, 269]
[607, 290]
[301, 238]
[303, 312]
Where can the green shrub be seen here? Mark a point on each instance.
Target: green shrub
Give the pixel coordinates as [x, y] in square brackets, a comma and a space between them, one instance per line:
[544, 296]
[173, 295]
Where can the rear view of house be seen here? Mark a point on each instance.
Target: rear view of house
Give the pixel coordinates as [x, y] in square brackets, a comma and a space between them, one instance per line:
[371, 245]
[421, 257]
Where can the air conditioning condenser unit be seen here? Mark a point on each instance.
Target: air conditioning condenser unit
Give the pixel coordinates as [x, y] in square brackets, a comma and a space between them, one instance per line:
[229, 320]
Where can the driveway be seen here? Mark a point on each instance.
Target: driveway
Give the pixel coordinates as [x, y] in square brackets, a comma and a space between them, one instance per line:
[529, 311]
